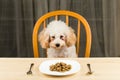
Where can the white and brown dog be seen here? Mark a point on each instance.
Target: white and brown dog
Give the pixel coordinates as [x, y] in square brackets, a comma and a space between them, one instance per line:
[59, 40]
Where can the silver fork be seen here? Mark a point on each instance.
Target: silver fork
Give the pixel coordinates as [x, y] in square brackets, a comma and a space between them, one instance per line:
[89, 67]
[30, 71]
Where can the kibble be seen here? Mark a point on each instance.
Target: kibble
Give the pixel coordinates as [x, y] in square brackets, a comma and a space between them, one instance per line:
[60, 67]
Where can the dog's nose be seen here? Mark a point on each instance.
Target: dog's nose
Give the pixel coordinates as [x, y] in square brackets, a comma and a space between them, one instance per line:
[57, 44]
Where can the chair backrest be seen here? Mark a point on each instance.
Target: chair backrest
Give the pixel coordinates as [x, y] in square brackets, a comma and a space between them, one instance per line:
[67, 14]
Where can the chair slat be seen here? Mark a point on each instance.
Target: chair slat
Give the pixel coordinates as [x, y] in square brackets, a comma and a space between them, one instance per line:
[44, 24]
[67, 19]
[78, 38]
[56, 17]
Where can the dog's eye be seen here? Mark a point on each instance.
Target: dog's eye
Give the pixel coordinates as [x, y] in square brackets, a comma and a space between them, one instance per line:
[53, 37]
[61, 37]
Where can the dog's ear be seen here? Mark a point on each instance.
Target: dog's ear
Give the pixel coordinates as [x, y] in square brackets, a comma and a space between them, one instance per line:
[71, 37]
[43, 38]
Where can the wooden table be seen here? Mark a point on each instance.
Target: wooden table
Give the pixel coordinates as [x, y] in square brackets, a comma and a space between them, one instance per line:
[103, 69]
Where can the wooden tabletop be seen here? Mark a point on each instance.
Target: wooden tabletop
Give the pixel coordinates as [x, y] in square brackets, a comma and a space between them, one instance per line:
[103, 69]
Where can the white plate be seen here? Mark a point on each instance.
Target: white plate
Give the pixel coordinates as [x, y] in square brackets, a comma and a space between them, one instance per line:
[44, 67]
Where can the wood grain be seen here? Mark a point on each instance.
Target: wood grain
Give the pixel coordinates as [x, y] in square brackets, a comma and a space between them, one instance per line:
[103, 69]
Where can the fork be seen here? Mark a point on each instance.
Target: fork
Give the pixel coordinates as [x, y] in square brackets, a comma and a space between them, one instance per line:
[89, 72]
[30, 71]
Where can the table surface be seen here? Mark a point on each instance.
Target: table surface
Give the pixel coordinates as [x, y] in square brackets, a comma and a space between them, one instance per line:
[103, 69]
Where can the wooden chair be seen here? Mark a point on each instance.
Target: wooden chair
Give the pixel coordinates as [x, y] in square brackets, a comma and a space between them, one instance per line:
[67, 14]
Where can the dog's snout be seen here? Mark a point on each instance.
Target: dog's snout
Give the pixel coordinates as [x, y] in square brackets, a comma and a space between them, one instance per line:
[57, 44]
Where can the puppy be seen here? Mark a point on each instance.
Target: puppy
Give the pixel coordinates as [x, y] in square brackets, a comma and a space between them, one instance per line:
[59, 40]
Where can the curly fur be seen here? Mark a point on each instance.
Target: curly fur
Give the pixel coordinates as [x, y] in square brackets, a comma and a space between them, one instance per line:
[59, 40]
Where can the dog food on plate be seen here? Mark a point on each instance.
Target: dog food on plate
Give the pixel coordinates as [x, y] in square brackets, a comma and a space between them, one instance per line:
[60, 67]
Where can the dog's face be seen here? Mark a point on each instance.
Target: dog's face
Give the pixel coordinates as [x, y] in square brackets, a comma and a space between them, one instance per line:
[57, 41]
[57, 35]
